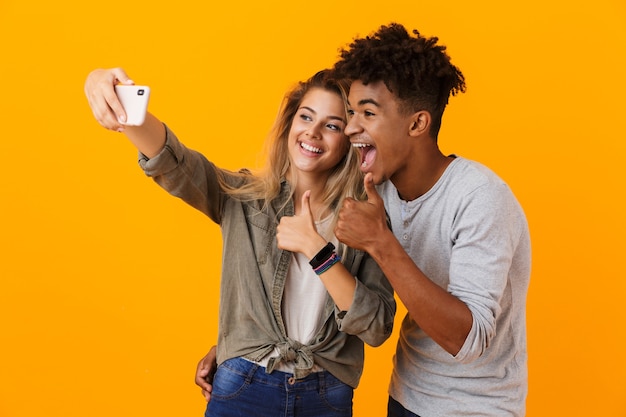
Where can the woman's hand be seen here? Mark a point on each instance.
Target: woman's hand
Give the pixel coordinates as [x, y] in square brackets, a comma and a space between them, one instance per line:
[298, 234]
[100, 92]
[149, 138]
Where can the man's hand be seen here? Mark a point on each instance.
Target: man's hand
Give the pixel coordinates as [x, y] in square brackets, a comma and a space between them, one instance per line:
[361, 223]
[205, 372]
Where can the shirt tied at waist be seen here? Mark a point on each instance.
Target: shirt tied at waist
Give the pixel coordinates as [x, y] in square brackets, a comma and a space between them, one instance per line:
[296, 352]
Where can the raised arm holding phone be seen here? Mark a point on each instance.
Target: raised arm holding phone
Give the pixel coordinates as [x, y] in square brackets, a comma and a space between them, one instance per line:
[296, 305]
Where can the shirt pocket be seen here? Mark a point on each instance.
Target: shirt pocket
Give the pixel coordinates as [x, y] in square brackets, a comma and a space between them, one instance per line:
[262, 232]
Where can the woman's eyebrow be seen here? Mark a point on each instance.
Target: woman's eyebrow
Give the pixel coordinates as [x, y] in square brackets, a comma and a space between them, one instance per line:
[330, 117]
[308, 108]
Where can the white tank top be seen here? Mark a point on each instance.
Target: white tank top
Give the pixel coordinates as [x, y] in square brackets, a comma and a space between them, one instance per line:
[303, 302]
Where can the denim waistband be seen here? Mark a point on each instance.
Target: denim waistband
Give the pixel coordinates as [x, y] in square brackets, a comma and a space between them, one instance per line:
[258, 373]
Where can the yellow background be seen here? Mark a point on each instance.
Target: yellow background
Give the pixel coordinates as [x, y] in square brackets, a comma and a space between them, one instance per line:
[108, 289]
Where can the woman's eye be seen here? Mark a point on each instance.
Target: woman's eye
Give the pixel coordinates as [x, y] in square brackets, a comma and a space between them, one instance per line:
[333, 127]
[306, 117]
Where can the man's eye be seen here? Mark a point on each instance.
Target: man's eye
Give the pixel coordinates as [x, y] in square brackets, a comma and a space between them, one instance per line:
[368, 113]
[350, 113]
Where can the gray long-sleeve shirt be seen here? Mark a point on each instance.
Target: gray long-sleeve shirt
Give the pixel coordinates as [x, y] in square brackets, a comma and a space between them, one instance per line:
[254, 271]
[469, 235]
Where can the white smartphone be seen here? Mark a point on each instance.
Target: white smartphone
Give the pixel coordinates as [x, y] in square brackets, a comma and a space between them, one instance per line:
[134, 98]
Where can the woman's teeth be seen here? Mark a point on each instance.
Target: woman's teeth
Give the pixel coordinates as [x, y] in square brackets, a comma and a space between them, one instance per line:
[310, 148]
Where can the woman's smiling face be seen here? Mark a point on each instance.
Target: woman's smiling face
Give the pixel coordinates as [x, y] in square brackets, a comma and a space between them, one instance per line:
[317, 142]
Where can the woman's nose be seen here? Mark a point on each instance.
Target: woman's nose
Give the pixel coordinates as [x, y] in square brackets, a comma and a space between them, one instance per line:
[313, 131]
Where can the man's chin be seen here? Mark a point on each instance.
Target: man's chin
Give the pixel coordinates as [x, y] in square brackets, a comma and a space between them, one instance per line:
[376, 178]
[379, 180]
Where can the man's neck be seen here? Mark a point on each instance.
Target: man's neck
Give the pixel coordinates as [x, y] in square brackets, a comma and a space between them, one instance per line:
[421, 176]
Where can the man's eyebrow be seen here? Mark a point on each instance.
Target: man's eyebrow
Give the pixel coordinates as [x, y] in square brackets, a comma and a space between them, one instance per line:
[366, 101]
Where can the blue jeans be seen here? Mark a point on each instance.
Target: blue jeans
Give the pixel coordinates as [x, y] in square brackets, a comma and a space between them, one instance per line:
[395, 409]
[243, 388]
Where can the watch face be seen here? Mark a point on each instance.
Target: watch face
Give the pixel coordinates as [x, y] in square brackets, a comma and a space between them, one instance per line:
[322, 255]
[327, 250]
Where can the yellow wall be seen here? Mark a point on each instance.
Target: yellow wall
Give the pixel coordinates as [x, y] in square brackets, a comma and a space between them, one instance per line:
[96, 320]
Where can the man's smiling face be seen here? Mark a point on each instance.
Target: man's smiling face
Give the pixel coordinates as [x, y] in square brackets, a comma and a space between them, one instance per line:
[379, 129]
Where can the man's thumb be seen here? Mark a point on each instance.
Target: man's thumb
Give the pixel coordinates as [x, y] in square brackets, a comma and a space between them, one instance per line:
[370, 189]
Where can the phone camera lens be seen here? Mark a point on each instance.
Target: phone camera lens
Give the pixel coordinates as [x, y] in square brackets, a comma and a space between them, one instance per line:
[140, 92]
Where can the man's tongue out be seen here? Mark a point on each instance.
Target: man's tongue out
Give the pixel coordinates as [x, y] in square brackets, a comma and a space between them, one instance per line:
[368, 156]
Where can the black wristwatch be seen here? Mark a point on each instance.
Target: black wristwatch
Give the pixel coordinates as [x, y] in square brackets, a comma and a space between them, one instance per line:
[322, 256]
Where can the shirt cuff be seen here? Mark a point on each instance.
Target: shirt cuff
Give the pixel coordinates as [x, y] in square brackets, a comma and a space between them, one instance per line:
[167, 160]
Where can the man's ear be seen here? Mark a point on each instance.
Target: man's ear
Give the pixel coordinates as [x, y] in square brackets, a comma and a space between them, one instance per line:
[420, 123]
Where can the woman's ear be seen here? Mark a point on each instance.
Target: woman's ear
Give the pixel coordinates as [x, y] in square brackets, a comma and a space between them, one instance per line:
[420, 123]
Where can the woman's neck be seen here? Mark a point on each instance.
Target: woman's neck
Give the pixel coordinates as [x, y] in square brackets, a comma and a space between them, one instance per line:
[316, 186]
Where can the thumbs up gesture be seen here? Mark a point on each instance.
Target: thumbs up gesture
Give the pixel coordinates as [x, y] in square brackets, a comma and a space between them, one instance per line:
[361, 223]
[298, 233]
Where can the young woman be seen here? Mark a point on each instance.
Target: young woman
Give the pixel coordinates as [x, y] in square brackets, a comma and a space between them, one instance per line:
[296, 306]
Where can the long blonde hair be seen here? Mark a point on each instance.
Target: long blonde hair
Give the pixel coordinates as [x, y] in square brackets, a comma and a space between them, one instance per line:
[345, 179]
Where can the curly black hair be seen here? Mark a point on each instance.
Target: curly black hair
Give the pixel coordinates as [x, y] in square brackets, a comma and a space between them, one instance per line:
[414, 68]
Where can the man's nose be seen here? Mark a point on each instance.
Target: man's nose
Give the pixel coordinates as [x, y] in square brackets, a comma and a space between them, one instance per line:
[353, 126]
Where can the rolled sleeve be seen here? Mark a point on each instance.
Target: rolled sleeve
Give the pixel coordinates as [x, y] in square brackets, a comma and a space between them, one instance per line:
[373, 308]
[167, 160]
[479, 270]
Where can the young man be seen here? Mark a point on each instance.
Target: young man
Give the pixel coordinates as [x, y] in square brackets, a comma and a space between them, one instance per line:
[458, 254]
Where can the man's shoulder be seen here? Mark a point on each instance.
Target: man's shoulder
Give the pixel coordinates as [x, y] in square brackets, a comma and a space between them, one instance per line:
[468, 174]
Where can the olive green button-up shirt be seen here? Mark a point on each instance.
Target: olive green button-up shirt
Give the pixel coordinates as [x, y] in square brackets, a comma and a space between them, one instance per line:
[254, 270]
